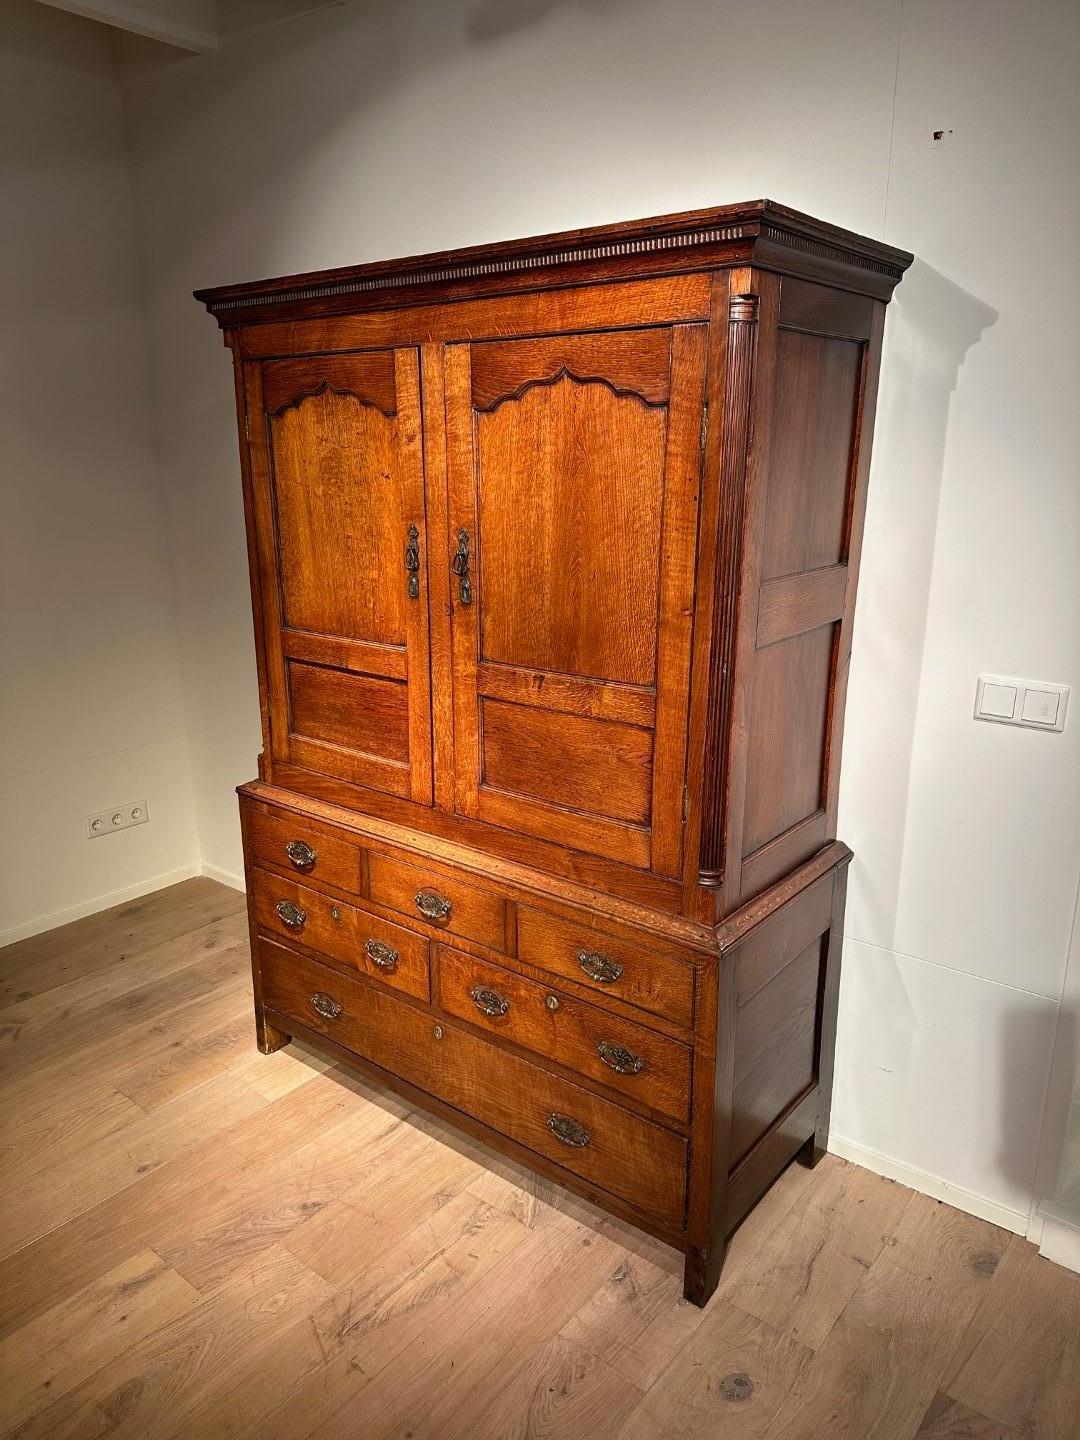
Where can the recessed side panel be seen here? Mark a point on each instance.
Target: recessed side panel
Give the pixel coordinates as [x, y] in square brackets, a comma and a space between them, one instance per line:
[788, 714]
[817, 388]
[774, 1048]
[809, 369]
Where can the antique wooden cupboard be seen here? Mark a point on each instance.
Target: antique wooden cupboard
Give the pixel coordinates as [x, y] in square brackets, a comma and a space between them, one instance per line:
[553, 549]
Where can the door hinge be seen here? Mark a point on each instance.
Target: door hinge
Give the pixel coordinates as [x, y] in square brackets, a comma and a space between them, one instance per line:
[247, 427]
[704, 424]
[685, 801]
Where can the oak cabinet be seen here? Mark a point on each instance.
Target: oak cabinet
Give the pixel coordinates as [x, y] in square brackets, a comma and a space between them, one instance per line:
[553, 549]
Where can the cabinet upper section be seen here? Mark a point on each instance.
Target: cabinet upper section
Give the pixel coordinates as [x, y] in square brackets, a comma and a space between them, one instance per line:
[759, 232]
[554, 543]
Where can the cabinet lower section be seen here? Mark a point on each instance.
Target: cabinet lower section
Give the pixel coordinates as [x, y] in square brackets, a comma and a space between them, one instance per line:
[669, 1072]
[603, 1143]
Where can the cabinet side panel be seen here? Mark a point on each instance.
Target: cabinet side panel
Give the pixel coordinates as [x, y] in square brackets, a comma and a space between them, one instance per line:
[815, 388]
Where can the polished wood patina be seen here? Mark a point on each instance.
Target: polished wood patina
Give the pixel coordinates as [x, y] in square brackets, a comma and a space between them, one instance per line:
[554, 547]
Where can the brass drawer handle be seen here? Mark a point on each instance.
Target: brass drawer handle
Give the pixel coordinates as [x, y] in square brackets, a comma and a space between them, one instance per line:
[381, 955]
[599, 966]
[325, 1005]
[623, 1062]
[301, 855]
[566, 1129]
[412, 563]
[488, 1001]
[291, 914]
[432, 905]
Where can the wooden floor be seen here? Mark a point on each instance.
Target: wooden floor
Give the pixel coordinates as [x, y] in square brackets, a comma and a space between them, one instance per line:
[202, 1241]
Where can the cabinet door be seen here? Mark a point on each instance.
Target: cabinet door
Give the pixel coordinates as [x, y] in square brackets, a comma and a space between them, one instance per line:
[338, 484]
[574, 464]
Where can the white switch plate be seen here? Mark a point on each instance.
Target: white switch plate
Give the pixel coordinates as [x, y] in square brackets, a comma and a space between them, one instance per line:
[117, 817]
[1034, 704]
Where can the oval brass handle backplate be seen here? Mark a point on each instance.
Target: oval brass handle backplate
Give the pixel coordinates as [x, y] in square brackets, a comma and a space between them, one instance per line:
[290, 914]
[325, 1005]
[432, 905]
[566, 1129]
[622, 1061]
[489, 1001]
[301, 854]
[381, 955]
[599, 966]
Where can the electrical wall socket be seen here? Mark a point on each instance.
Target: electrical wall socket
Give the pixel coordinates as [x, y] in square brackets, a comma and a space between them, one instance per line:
[117, 817]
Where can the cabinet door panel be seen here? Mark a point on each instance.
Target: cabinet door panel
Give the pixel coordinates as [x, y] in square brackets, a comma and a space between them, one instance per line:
[573, 465]
[570, 554]
[338, 481]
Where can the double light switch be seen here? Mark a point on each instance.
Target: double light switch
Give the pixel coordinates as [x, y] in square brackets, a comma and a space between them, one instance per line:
[1035, 703]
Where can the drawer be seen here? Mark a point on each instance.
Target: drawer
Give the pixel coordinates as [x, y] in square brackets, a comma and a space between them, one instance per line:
[647, 1067]
[449, 905]
[386, 952]
[615, 1150]
[289, 842]
[659, 983]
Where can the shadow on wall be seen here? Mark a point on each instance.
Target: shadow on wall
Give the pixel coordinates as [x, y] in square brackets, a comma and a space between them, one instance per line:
[932, 324]
[1028, 1032]
[1057, 1175]
[495, 19]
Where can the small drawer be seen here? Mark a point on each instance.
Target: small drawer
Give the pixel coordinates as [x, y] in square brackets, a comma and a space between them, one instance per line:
[309, 852]
[607, 1145]
[386, 952]
[434, 900]
[645, 1066]
[661, 984]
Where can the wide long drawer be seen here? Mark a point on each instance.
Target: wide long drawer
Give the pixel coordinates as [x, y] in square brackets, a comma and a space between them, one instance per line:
[620, 1152]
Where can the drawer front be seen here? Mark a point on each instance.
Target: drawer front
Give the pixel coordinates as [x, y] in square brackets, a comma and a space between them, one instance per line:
[647, 1067]
[661, 984]
[309, 852]
[386, 952]
[449, 905]
[617, 1151]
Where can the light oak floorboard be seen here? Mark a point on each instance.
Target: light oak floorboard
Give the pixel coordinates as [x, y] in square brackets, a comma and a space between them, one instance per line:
[198, 1240]
[69, 1342]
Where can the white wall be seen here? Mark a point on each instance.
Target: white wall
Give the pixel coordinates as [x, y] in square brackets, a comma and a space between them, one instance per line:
[91, 709]
[376, 130]
[968, 834]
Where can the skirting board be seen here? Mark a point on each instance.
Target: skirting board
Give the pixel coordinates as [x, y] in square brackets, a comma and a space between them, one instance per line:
[1060, 1242]
[118, 897]
[98, 903]
[954, 1195]
[224, 877]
